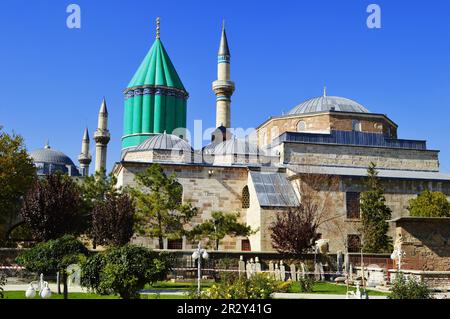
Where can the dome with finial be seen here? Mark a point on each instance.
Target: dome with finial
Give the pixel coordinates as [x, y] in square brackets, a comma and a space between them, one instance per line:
[48, 161]
[233, 146]
[164, 142]
[326, 103]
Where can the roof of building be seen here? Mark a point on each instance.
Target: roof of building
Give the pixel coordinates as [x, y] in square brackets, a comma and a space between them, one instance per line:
[419, 219]
[164, 142]
[353, 138]
[233, 146]
[326, 103]
[156, 70]
[362, 172]
[273, 190]
[50, 156]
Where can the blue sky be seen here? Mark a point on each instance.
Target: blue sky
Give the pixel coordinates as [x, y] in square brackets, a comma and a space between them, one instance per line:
[52, 78]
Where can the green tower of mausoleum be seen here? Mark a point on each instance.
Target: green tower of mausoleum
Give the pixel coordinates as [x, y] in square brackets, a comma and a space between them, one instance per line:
[155, 99]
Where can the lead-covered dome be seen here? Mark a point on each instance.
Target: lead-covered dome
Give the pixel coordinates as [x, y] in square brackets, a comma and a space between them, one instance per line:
[48, 161]
[233, 146]
[328, 103]
[165, 142]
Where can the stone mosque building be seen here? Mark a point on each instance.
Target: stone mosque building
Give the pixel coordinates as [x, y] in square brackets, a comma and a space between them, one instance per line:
[256, 176]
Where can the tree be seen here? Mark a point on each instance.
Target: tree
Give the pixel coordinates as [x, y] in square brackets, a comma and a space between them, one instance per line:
[219, 226]
[295, 229]
[54, 256]
[17, 173]
[113, 220]
[404, 288]
[124, 270]
[430, 204]
[95, 188]
[53, 207]
[160, 212]
[100, 194]
[374, 215]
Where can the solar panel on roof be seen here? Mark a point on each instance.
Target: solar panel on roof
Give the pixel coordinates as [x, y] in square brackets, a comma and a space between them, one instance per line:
[273, 189]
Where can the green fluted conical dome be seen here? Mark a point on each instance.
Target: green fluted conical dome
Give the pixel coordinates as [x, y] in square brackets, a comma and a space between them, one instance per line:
[155, 99]
[156, 69]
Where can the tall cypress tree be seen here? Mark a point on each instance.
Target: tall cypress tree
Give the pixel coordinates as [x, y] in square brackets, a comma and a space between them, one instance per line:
[374, 215]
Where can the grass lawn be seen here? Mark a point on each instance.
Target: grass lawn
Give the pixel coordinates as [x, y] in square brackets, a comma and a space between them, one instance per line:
[168, 285]
[333, 289]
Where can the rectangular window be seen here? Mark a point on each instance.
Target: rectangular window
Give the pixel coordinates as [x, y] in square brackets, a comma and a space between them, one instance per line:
[354, 243]
[245, 244]
[175, 244]
[353, 205]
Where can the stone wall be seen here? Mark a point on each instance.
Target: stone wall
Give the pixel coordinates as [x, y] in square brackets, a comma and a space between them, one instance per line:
[358, 156]
[426, 243]
[209, 188]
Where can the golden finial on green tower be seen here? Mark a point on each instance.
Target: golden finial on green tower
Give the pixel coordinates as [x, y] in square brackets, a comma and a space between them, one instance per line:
[157, 28]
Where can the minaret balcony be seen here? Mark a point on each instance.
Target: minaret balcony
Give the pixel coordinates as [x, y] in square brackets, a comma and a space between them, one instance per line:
[84, 159]
[102, 136]
[223, 86]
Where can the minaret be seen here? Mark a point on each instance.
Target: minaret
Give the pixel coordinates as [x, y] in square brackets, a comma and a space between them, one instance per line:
[85, 158]
[223, 87]
[101, 137]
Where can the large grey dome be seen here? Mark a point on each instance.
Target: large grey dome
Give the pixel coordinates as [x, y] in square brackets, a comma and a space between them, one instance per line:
[48, 160]
[232, 146]
[51, 156]
[328, 103]
[164, 142]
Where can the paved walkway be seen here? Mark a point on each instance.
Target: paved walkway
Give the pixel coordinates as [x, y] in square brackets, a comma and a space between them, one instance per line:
[53, 287]
[315, 296]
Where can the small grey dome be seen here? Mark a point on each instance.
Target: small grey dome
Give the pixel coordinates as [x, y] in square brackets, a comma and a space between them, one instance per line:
[232, 146]
[164, 142]
[328, 103]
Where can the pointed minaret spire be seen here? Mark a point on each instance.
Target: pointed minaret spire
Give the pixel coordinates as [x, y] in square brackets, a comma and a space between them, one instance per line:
[86, 134]
[103, 108]
[158, 30]
[223, 48]
[324, 91]
[85, 157]
[223, 87]
[101, 137]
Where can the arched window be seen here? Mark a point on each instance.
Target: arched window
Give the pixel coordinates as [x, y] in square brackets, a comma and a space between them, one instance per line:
[301, 126]
[356, 126]
[245, 198]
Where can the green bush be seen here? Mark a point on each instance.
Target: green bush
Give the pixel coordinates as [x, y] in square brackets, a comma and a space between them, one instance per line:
[306, 284]
[430, 204]
[124, 270]
[409, 289]
[2, 283]
[259, 286]
[54, 256]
